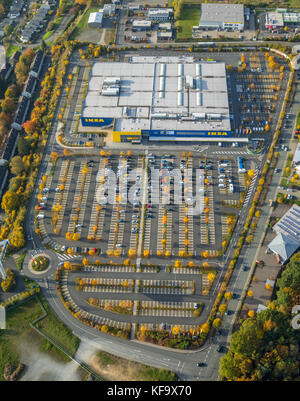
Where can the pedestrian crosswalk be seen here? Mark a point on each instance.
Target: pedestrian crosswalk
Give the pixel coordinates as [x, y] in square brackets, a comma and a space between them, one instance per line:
[250, 189]
[64, 257]
[224, 152]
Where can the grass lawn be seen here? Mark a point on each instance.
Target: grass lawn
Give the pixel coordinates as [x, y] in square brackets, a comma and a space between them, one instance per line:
[19, 331]
[189, 18]
[11, 49]
[20, 259]
[112, 367]
[83, 23]
[47, 35]
[298, 118]
[57, 331]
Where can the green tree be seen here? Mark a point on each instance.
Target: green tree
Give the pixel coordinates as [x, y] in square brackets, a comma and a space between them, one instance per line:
[23, 146]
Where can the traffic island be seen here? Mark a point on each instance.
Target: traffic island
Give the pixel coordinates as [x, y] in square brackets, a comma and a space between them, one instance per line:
[39, 264]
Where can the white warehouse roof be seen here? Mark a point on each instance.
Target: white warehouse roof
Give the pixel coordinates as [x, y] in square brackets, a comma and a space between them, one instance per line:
[158, 86]
[96, 17]
[216, 12]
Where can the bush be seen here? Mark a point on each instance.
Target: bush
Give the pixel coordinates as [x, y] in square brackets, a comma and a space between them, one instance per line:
[8, 283]
[40, 263]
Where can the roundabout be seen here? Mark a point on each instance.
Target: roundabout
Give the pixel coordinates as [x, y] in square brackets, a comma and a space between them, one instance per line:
[39, 264]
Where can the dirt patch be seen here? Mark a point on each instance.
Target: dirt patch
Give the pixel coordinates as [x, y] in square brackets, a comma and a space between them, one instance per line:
[91, 35]
[124, 371]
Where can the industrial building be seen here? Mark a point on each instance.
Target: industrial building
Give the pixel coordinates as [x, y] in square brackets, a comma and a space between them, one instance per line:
[222, 16]
[287, 241]
[274, 20]
[296, 159]
[141, 25]
[109, 10]
[165, 31]
[160, 14]
[95, 19]
[281, 18]
[165, 98]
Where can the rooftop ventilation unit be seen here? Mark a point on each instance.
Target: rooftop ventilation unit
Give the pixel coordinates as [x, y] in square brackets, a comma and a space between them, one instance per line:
[111, 81]
[189, 82]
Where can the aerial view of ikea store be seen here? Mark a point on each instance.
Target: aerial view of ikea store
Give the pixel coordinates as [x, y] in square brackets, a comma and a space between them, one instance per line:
[158, 99]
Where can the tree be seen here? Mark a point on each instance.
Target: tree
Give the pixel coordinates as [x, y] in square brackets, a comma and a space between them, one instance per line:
[27, 56]
[8, 105]
[23, 146]
[16, 165]
[205, 328]
[10, 201]
[9, 282]
[229, 367]
[104, 328]
[228, 296]
[222, 308]
[30, 126]
[217, 323]
[17, 239]
[177, 263]
[11, 92]
[8, 29]
[210, 277]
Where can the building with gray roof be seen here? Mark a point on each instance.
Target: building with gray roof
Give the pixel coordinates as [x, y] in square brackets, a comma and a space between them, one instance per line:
[162, 97]
[287, 241]
[221, 16]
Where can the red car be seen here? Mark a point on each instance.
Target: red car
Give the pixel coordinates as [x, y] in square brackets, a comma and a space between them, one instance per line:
[41, 208]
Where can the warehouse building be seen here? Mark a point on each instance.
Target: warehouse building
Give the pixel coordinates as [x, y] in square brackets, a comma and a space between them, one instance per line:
[280, 18]
[166, 98]
[222, 16]
[95, 19]
[141, 25]
[287, 241]
[160, 14]
[274, 20]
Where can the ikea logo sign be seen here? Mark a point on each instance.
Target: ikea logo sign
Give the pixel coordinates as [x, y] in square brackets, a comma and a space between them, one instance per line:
[96, 122]
[217, 133]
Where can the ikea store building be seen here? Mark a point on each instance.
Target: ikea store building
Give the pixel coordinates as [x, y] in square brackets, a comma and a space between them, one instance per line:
[159, 99]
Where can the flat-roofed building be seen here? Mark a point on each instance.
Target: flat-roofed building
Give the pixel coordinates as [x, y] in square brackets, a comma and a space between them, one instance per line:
[221, 16]
[165, 98]
[274, 20]
[95, 19]
[109, 10]
[160, 14]
[141, 25]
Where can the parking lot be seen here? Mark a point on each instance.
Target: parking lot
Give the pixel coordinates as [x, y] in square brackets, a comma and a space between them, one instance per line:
[255, 94]
[174, 203]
